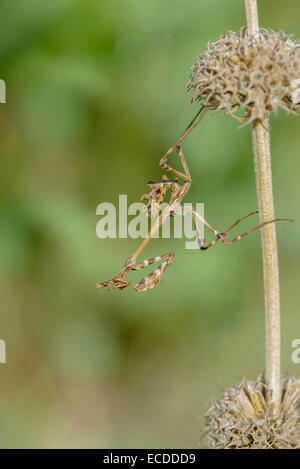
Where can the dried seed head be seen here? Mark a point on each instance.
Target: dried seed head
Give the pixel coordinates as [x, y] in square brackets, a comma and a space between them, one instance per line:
[259, 74]
[240, 420]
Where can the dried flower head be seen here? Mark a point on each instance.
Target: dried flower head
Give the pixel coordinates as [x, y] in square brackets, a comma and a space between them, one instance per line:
[258, 73]
[240, 420]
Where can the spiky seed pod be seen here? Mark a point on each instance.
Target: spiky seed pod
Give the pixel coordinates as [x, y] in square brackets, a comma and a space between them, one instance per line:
[259, 74]
[240, 419]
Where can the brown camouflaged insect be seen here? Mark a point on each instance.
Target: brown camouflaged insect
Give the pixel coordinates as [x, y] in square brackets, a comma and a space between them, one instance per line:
[154, 200]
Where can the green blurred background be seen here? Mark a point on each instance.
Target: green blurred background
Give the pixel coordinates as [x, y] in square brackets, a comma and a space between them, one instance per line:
[95, 95]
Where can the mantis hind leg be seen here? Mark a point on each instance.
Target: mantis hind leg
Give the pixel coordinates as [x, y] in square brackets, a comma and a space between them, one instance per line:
[155, 277]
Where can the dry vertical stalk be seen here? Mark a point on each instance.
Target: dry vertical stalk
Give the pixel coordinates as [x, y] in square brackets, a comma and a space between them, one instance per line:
[263, 174]
[264, 190]
[252, 16]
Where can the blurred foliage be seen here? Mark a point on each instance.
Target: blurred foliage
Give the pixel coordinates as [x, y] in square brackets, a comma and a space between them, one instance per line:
[95, 95]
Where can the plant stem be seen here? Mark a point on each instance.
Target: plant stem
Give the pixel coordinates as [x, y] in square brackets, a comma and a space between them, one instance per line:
[252, 16]
[264, 190]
